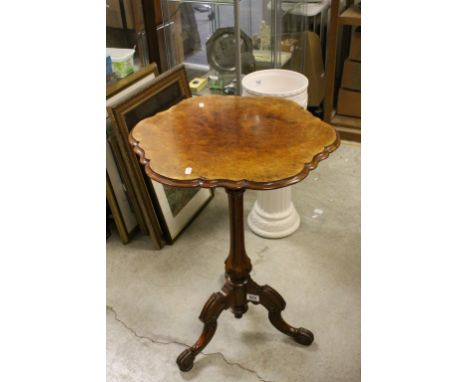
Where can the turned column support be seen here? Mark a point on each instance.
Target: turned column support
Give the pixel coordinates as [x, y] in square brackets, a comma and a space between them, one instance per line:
[238, 265]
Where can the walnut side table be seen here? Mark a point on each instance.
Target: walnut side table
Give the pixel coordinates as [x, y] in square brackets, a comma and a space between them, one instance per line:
[260, 143]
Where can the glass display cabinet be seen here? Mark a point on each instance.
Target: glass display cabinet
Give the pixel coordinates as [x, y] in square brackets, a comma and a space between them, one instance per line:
[202, 36]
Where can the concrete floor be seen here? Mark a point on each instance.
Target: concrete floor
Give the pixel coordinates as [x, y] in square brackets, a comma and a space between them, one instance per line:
[154, 297]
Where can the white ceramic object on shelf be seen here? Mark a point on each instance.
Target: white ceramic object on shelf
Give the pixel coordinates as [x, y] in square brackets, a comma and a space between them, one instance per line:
[273, 214]
[281, 83]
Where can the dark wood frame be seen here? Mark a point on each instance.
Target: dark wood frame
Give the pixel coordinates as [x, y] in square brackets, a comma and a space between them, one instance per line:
[169, 238]
[145, 191]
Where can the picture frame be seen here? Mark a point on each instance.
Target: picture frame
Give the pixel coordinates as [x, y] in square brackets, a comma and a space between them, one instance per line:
[173, 208]
[121, 207]
[179, 206]
[118, 179]
[125, 220]
[118, 186]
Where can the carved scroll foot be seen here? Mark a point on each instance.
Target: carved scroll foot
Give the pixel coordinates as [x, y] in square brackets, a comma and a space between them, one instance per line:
[303, 336]
[275, 304]
[185, 359]
[236, 296]
[210, 313]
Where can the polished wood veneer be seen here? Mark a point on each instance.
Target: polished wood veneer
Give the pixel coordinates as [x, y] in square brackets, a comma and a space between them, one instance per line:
[234, 142]
[237, 143]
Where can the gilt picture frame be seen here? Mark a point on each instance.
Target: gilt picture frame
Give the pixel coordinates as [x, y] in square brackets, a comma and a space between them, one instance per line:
[117, 168]
[174, 208]
[122, 209]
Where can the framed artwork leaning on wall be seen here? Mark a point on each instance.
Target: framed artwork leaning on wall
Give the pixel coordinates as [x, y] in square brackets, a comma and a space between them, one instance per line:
[175, 208]
[120, 193]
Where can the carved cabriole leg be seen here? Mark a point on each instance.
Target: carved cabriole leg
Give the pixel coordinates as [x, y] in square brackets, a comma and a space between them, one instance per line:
[238, 290]
[275, 304]
[233, 294]
[210, 313]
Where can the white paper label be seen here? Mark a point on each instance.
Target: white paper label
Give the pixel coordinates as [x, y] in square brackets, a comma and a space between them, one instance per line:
[188, 170]
[253, 297]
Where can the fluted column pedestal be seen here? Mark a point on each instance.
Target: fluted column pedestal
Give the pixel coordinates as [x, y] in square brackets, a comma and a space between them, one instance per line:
[273, 214]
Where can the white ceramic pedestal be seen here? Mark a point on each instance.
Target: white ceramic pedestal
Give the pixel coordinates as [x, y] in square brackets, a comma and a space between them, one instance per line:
[273, 214]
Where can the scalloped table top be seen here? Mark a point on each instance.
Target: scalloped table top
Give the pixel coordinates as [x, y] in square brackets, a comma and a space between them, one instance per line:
[234, 142]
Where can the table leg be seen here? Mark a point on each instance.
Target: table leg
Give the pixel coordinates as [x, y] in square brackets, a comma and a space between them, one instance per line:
[238, 290]
[275, 304]
[209, 315]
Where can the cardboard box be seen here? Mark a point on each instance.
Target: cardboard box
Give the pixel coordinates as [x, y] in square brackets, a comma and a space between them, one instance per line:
[351, 79]
[349, 103]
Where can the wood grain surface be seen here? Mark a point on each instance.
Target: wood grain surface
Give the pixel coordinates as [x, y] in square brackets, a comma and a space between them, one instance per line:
[234, 142]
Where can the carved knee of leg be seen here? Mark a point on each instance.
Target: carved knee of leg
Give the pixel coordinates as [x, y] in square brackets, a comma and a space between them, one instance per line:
[213, 308]
[271, 299]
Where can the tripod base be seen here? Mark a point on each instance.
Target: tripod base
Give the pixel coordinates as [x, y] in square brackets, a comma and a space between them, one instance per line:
[236, 296]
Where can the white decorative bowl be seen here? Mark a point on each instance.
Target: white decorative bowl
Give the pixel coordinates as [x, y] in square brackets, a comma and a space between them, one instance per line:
[278, 83]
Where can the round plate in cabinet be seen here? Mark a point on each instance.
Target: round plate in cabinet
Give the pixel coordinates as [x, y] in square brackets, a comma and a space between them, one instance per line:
[221, 50]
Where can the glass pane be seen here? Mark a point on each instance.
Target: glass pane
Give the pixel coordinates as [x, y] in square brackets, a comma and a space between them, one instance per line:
[125, 30]
[274, 34]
